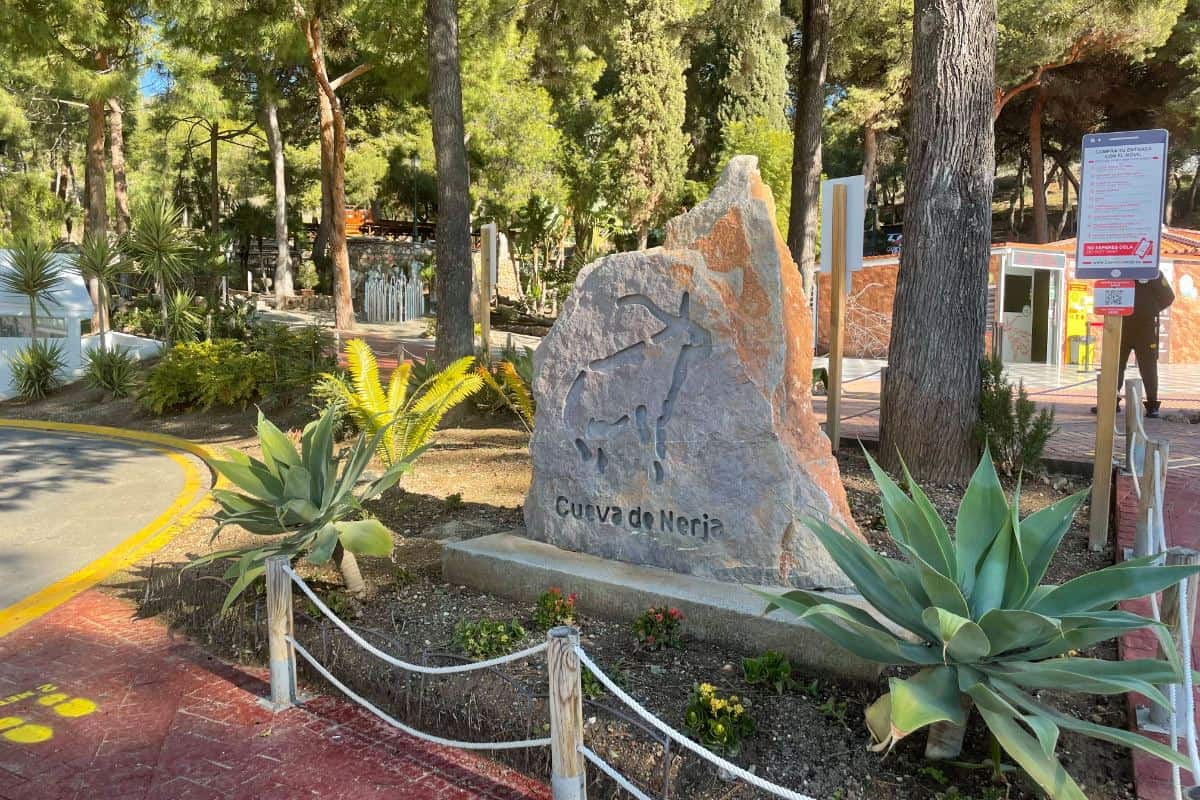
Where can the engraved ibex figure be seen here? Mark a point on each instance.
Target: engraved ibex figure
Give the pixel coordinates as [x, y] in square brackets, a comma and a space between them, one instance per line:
[658, 364]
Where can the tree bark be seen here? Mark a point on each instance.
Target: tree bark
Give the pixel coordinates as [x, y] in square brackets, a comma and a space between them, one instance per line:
[1037, 170]
[116, 155]
[806, 139]
[1018, 199]
[351, 574]
[1192, 191]
[214, 188]
[930, 406]
[1064, 184]
[455, 327]
[283, 260]
[95, 222]
[333, 181]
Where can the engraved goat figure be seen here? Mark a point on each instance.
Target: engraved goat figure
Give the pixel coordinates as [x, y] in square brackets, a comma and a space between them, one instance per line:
[599, 405]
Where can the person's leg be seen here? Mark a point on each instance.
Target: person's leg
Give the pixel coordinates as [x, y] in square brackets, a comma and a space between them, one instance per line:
[1147, 358]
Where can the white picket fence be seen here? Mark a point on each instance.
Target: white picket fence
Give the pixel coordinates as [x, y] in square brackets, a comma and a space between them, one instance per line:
[393, 297]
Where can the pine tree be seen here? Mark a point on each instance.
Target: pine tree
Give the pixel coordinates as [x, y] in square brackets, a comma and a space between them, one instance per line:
[738, 73]
[648, 113]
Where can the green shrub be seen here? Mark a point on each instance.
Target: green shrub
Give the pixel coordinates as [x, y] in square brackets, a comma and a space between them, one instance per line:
[37, 369]
[487, 638]
[139, 320]
[111, 371]
[184, 320]
[507, 384]
[719, 723]
[987, 631]
[234, 319]
[656, 628]
[204, 374]
[554, 609]
[306, 277]
[1011, 427]
[298, 358]
[772, 670]
[310, 495]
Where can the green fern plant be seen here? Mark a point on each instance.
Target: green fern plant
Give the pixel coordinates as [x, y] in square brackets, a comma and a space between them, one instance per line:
[410, 416]
[508, 384]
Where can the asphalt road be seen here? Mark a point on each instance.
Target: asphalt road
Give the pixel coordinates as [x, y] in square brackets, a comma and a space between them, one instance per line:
[66, 500]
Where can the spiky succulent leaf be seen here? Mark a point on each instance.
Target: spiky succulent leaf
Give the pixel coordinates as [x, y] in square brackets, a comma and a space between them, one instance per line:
[981, 515]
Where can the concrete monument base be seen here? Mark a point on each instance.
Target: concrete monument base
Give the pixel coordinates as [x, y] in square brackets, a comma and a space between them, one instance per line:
[510, 565]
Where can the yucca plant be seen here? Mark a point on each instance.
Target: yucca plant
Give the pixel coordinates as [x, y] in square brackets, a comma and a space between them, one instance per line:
[159, 246]
[111, 371]
[307, 494]
[985, 630]
[37, 369]
[33, 274]
[99, 258]
[183, 319]
[406, 418]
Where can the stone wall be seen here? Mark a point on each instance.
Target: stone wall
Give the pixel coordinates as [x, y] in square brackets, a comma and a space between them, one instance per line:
[387, 255]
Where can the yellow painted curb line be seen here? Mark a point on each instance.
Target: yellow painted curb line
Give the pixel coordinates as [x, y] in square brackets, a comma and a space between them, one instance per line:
[188, 505]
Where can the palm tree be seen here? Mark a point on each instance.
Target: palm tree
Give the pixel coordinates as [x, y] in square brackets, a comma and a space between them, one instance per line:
[32, 273]
[99, 259]
[159, 245]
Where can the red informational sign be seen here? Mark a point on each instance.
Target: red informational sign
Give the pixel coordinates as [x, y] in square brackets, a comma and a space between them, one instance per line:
[1113, 298]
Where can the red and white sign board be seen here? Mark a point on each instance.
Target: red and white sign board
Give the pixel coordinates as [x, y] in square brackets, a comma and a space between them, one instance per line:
[1113, 298]
[1121, 196]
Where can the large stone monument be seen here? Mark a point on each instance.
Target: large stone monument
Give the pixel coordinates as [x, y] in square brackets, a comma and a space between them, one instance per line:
[674, 422]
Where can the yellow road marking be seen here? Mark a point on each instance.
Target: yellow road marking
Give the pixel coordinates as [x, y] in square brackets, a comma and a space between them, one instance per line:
[189, 504]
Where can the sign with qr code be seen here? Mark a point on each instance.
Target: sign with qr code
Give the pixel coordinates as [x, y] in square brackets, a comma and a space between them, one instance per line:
[1113, 298]
[1122, 189]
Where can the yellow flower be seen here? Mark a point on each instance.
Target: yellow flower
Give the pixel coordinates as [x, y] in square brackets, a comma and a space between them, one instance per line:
[717, 704]
[739, 709]
[733, 698]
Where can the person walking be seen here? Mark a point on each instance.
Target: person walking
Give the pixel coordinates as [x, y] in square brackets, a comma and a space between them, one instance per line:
[1139, 334]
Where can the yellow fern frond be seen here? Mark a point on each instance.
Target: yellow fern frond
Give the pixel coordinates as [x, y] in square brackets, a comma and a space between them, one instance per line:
[437, 388]
[521, 400]
[364, 370]
[418, 424]
[397, 392]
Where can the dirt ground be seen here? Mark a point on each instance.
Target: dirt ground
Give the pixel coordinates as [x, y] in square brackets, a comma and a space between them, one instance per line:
[471, 483]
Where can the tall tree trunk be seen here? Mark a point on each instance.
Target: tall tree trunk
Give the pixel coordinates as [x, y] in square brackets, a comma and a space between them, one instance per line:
[1018, 198]
[116, 155]
[870, 158]
[283, 260]
[333, 182]
[931, 403]
[455, 327]
[1064, 184]
[214, 187]
[95, 223]
[1192, 191]
[806, 139]
[1037, 170]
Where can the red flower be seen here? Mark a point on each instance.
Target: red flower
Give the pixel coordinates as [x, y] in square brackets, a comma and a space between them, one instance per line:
[658, 617]
[572, 598]
[649, 640]
[674, 612]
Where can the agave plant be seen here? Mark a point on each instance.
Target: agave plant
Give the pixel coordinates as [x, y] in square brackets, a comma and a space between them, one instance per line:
[307, 494]
[983, 630]
[401, 419]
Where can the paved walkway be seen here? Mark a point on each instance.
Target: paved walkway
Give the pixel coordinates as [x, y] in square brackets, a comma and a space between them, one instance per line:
[94, 704]
[67, 500]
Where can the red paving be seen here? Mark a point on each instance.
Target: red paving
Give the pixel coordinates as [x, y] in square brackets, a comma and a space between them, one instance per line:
[1182, 518]
[173, 723]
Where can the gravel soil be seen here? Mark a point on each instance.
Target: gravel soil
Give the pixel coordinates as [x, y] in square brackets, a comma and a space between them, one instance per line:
[472, 482]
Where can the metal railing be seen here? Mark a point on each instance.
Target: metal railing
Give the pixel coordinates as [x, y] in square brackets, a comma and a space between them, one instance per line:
[565, 659]
[393, 297]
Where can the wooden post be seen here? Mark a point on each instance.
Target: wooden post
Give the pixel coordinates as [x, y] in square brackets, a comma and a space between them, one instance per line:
[1169, 614]
[1145, 541]
[837, 319]
[1106, 417]
[488, 253]
[279, 630]
[568, 780]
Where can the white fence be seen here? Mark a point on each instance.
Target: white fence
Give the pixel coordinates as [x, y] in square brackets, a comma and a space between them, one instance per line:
[565, 659]
[393, 297]
[1146, 462]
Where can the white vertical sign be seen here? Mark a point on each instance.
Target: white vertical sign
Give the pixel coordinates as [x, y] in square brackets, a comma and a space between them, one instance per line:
[856, 215]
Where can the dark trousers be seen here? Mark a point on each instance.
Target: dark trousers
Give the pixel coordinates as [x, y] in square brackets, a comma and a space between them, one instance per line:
[1147, 361]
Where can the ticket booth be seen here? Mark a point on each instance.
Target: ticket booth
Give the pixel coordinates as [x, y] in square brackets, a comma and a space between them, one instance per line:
[1031, 313]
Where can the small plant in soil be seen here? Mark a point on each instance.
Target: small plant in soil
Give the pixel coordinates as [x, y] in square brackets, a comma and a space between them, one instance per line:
[591, 686]
[988, 631]
[554, 608]
[834, 709]
[487, 638]
[771, 669]
[719, 723]
[656, 628]
[453, 502]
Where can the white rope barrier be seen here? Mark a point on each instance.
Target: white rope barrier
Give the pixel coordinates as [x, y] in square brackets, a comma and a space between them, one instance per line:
[396, 662]
[1176, 784]
[1189, 699]
[616, 777]
[390, 720]
[683, 741]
